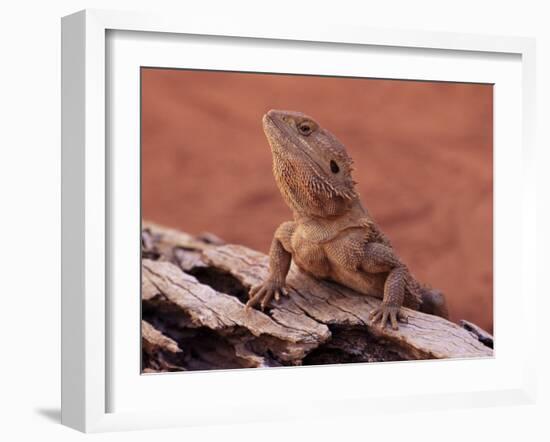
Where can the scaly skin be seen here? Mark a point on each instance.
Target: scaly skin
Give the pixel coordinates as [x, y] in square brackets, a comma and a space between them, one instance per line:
[332, 236]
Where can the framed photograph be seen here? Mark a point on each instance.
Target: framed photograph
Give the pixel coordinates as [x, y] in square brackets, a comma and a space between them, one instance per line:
[275, 222]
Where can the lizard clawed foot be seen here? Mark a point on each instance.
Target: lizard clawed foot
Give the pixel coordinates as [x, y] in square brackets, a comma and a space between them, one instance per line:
[385, 313]
[263, 294]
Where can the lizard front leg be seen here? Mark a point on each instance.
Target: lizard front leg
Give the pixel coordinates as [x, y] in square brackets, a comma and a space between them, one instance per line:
[381, 258]
[279, 264]
[394, 292]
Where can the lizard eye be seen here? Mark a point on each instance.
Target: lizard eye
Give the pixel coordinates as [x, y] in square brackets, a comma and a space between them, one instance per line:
[305, 128]
[334, 167]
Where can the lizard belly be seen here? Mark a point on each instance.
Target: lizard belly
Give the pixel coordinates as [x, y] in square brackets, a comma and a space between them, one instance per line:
[371, 284]
[337, 261]
[345, 255]
[310, 257]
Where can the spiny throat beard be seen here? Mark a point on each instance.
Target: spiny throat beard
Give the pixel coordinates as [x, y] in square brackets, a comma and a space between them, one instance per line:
[307, 192]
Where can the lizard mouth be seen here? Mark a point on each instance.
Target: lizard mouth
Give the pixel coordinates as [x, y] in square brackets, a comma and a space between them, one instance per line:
[267, 122]
[269, 125]
[278, 132]
[272, 130]
[284, 140]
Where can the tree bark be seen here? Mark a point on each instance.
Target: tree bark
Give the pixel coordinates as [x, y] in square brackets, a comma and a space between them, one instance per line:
[193, 295]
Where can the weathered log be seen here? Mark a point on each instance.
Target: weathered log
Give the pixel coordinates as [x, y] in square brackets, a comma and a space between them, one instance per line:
[194, 290]
[481, 335]
[159, 351]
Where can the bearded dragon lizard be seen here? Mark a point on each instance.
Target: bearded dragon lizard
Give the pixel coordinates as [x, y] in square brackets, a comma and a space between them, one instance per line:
[332, 236]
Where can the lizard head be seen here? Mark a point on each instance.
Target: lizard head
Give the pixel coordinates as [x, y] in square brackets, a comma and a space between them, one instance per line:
[311, 167]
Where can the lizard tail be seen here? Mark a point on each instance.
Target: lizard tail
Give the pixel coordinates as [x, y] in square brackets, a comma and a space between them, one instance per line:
[425, 299]
[434, 303]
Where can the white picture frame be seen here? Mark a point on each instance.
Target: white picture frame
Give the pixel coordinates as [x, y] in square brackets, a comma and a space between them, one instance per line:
[87, 205]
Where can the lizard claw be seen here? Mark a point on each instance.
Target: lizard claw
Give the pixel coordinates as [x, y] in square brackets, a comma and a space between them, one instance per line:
[264, 293]
[385, 313]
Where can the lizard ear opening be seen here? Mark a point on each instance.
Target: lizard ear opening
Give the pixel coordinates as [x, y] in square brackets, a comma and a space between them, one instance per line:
[334, 167]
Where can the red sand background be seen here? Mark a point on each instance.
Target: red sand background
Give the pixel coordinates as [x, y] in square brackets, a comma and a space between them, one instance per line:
[422, 151]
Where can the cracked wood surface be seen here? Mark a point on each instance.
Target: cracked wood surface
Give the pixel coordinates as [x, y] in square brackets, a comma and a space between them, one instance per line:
[194, 289]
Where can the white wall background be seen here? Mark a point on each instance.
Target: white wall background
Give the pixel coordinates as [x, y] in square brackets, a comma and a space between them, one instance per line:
[30, 215]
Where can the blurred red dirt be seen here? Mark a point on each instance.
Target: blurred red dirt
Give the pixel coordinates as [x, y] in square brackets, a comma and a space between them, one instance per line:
[423, 162]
